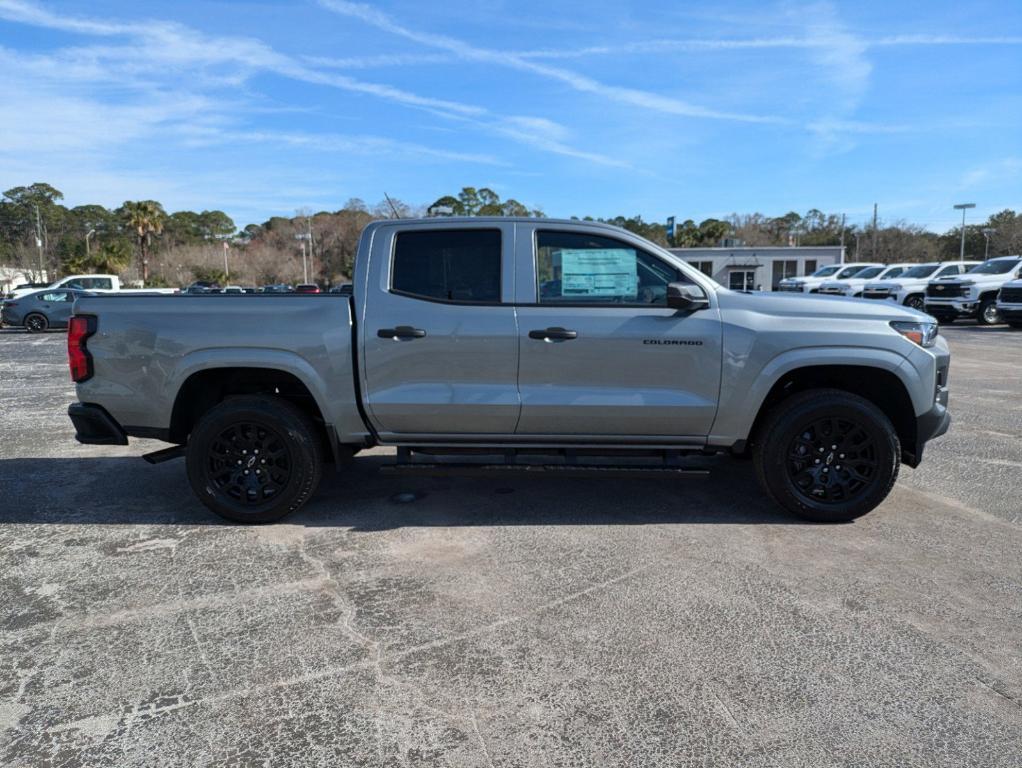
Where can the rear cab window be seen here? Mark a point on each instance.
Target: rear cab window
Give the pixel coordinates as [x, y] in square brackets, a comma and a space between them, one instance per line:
[459, 266]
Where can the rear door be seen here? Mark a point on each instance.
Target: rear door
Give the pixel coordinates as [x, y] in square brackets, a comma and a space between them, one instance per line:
[438, 331]
[601, 353]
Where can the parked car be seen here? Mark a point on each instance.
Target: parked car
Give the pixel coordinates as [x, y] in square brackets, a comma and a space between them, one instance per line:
[307, 288]
[909, 289]
[455, 351]
[974, 294]
[39, 311]
[812, 283]
[203, 287]
[235, 289]
[853, 286]
[1009, 303]
[94, 283]
[278, 288]
[344, 288]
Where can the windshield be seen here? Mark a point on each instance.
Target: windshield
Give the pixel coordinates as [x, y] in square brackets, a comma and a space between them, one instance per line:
[827, 271]
[850, 272]
[869, 272]
[995, 267]
[923, 270]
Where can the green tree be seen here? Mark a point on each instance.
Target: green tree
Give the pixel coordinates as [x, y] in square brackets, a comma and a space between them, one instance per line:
[145, 218]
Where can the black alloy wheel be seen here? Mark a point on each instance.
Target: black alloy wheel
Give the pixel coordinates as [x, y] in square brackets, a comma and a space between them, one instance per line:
[826, 455]
[832, 460]
[249, 462]
[36, 323]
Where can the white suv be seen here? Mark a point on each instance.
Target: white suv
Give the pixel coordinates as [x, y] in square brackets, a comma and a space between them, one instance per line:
[811, 283]
[1009, 303]
[910, 287]
[853, 285]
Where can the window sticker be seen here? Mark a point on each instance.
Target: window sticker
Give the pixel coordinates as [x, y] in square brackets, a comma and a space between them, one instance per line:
[599, 272]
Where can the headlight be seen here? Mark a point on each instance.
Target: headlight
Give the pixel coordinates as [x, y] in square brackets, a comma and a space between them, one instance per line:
[922, 332]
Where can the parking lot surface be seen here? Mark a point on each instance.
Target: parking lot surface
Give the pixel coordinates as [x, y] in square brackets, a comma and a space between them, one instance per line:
[519, 622]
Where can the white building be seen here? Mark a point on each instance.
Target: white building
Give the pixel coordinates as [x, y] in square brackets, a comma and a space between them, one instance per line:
[12, 277]
[759, 267]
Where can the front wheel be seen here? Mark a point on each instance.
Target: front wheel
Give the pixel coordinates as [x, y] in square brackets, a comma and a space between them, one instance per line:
[827, 455]
[916, 302]
[36, 323]
[254, 459]
[988, 314]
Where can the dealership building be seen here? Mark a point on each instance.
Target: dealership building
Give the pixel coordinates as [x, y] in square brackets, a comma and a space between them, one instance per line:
[759, 268]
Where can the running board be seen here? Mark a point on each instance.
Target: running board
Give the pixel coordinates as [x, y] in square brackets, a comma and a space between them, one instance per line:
[510, 470]
[158, 457]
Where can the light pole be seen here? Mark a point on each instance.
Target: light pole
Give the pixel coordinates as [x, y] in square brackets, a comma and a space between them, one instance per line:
[987, 231]
[963, 207]
[303, 236]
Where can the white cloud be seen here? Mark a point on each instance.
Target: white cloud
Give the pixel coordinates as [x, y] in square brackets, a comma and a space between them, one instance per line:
[629, 96]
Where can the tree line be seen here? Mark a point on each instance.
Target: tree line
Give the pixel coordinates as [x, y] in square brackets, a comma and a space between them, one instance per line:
[144, 243]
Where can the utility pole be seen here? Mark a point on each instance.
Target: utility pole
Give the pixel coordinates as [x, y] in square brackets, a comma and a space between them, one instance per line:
[873, 255]
[88, 234]
[857, 236]
[39, 239]
[842, 238]
[963, 207]
[227, 269]
[987, 231]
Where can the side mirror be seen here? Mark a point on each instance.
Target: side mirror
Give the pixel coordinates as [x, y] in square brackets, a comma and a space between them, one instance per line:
[686, 297]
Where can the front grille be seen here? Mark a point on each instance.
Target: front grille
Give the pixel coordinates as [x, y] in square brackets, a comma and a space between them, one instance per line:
[790, 288]
[876, 293]
[943, 290]
[1011, 295]
[833, 291]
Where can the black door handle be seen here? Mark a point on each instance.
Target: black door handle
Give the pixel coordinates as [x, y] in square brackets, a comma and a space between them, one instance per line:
[401, 332]
[553, 334]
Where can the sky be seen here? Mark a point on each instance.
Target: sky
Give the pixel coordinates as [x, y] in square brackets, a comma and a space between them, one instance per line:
[693, 109]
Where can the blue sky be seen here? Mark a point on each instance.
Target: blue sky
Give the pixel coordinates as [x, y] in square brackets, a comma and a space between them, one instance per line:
[581, 108]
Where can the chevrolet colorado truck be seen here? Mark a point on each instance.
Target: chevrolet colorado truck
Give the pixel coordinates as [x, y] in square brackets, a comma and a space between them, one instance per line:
[974, 294]
[1009, 303]
[503, 342]
[811, 283]
[910, 286]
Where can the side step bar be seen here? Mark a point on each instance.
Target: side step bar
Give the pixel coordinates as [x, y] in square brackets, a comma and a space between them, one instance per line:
[158, 457]
[564, 470]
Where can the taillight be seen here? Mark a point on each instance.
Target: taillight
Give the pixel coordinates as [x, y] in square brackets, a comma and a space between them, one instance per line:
[80, 328]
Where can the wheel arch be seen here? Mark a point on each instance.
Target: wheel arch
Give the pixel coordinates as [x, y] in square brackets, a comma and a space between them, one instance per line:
[880, 385]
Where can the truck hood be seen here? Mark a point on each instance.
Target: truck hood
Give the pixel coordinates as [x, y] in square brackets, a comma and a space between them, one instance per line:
[816, 306]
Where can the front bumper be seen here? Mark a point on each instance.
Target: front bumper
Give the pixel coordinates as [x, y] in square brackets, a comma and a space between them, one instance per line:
[94, 426]
[934, 422]
[1010, 312]
[951, 307]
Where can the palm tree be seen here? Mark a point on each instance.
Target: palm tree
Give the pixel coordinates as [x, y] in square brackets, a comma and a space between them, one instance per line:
[145, 218]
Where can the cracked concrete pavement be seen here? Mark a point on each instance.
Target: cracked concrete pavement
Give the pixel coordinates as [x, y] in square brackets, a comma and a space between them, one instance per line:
[519, 622]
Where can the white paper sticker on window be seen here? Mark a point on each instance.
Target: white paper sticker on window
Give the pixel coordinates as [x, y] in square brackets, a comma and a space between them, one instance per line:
[599, 272]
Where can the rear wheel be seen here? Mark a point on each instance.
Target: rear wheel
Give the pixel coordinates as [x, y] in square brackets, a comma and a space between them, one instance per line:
[36, 323]
[988, 314]
[827, 455]
[254, 459]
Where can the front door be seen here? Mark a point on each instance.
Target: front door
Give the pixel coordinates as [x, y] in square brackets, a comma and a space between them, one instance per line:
[602, 354]
[439, 333]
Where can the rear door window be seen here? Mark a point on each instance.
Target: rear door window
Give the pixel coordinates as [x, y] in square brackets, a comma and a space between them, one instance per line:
[459, 266]
[55, 296]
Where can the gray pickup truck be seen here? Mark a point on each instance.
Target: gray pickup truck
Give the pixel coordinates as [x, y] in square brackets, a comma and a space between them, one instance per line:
[565, 343]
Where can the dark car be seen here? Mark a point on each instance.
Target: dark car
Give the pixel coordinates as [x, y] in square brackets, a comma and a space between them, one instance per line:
[42, 309]
[278, 288]
[344, 288]
[202, 286]
[307, 288]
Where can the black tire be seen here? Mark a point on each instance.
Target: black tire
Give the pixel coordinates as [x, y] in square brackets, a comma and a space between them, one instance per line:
[36, 322]
[987, 313]
[916, 302]
[812, 483]
[228, 478]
